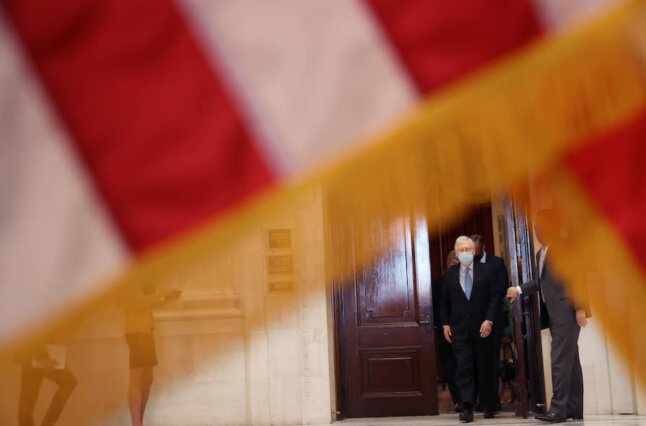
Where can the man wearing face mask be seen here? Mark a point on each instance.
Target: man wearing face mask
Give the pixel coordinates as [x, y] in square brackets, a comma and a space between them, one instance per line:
[444, 350]
[468, 311]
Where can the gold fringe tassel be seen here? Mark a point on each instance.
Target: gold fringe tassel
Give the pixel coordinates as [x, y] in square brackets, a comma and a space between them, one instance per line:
[476, 138]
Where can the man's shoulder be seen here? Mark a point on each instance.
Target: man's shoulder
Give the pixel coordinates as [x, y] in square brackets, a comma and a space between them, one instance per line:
[453, 269]
[486, 268]
[489, 264]
[495, 260]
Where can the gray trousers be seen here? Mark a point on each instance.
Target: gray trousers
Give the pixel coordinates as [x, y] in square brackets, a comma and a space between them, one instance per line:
[567, 377]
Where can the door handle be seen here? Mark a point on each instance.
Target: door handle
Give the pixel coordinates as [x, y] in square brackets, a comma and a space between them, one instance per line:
[428, 318]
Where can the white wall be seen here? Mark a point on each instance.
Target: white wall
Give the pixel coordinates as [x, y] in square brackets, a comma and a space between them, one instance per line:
[608, 387]
[231, 352]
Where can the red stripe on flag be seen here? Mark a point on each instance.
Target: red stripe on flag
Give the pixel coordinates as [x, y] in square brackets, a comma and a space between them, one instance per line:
[152, 120]
[439, 40]
[612, 172]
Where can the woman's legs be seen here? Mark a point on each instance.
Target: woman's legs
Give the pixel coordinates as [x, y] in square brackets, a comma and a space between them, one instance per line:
[145, 390]
[141, 379]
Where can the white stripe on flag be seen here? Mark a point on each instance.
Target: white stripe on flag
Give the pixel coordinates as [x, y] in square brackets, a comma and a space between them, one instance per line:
[557, 15]
[57, 244]
[313, 76]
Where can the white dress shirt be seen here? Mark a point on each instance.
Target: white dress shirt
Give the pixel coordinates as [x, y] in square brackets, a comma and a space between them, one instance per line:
[542, 254]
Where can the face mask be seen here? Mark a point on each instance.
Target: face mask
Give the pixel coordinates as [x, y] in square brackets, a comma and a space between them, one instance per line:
[466, 258]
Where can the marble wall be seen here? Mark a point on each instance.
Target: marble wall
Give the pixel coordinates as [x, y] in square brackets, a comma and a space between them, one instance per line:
[234, 350]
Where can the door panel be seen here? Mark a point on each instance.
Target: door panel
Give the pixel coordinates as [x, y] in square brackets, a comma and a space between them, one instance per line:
[386, 357]
[386, 292]
[391, 370]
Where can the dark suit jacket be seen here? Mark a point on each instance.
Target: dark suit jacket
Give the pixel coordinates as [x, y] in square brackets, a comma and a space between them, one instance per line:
[557, 308]
[497, 264]
[466, 316]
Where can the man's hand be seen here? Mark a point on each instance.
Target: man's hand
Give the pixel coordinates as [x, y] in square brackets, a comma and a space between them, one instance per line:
[485, 329]
[580, 318]
[512, 294]
[447, 333]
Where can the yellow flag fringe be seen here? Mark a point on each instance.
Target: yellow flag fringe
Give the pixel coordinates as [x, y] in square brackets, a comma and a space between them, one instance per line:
[479, 137]
[601, 272]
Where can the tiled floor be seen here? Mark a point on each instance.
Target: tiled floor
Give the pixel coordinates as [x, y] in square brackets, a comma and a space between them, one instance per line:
[502, 419]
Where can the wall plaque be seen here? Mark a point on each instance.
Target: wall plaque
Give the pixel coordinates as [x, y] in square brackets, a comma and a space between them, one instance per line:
[280, 264]
[280, 238]
[281, 286]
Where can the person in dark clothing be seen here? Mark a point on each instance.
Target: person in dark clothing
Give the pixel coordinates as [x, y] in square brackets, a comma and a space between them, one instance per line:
[565, 320]
[139, 325]
[502, 282]
[443, 347]
[467, 312]
[36, 366]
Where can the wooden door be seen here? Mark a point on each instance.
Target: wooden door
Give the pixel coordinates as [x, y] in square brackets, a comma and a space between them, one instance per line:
[384, 337]
[526, 330]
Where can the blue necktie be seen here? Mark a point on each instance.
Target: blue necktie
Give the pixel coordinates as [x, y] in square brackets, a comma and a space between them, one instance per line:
[468, 283]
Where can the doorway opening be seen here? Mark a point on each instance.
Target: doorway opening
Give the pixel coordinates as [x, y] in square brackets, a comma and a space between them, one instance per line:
[386, 329]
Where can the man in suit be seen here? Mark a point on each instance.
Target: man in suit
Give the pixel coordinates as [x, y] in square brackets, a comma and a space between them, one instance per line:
[497, 264]
[444, 350]
[564, 321]
[468, 310]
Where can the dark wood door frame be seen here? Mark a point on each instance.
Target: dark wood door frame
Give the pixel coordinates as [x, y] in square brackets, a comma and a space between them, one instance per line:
[527, 333]
[339, 348]
[336, 306]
